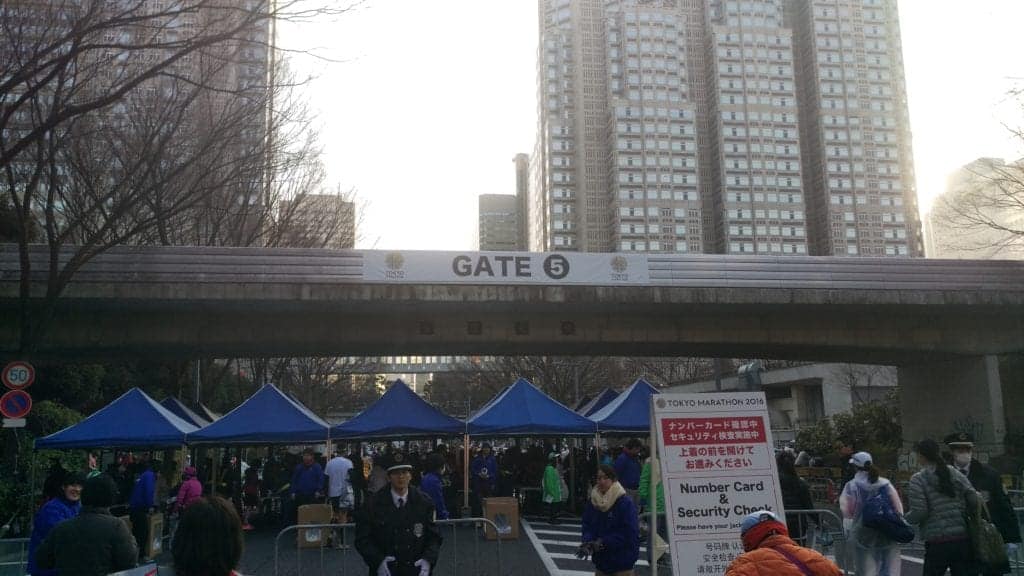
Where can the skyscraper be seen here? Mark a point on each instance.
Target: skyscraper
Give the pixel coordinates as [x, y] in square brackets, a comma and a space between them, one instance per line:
[976, 217]
[499, 222]
[858, 162]
[755, 194]
[698, 126]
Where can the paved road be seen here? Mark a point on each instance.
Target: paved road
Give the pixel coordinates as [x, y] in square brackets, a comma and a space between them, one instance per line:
[555, 544]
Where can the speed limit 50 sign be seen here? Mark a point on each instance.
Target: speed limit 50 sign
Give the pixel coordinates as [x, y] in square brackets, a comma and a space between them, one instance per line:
[18, 375]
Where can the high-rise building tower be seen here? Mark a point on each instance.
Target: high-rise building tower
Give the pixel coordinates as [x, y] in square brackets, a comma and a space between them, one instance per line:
[855, 129]
[714, 126]
[499, 222]
[615, 166]
[522, 162]
[756, 189]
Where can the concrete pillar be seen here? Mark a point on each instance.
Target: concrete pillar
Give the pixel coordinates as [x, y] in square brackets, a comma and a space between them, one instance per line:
[962, 395]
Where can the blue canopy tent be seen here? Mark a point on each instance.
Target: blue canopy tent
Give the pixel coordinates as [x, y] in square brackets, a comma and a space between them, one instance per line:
[523, 410]
[597, 402]
[399, 413]
[207, 414]
[182, 411]
[630, 412]
[134, 420]
[267, 417]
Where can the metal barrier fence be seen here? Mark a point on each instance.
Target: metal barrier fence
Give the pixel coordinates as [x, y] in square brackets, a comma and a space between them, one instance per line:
[821, 530]
[13, 556]
[1016, 498]
[1018, 563]
[449, 561]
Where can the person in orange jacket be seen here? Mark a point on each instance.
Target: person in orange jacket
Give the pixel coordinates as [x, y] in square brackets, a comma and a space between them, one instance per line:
[770, 552]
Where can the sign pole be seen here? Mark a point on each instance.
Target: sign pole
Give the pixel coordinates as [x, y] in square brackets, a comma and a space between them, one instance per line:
[465, 475]
[654, 476]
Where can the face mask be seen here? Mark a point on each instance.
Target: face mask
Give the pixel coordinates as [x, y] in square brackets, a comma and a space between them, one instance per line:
[962, 458]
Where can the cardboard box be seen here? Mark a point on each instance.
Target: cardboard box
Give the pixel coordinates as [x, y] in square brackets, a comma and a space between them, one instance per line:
[314, 514]
[155, 545]
[504, 512]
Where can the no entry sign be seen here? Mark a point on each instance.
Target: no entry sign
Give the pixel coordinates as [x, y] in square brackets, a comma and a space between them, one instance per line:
[18, 375]
[15, 404]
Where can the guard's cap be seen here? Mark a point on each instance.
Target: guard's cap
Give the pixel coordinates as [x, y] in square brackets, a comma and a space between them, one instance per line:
[960, 440]
[399, 467]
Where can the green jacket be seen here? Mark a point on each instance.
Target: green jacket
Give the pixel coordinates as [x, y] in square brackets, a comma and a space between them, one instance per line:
[552, 485]
[645, 488]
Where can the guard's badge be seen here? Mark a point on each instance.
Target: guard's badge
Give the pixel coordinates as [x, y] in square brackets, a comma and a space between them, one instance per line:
[417, 530]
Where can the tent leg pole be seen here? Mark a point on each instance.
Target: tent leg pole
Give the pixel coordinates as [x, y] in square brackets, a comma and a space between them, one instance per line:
[466, 511]
[574, 452]
[216, 469]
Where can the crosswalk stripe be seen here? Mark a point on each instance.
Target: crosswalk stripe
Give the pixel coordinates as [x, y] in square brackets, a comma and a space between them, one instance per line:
[549, 562]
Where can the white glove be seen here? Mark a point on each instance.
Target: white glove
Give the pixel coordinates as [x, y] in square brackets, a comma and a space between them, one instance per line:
[1011, 550]
[383, 569]
[424, 567]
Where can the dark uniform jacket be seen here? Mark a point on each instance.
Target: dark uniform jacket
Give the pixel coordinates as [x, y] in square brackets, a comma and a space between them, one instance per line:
[986, 480]
[409, 534]
[92, 543]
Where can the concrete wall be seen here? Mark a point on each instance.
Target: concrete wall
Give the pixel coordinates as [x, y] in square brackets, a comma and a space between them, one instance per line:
[963, 395]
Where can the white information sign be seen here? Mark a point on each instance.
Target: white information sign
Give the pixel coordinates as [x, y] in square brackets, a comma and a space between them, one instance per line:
[717, 466]
[550, 268]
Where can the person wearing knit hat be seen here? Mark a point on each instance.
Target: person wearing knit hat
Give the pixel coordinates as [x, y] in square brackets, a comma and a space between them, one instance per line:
[769, 550]
[190, 490]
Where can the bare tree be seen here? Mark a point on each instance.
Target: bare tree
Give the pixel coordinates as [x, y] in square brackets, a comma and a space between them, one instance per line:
[97, 96]
[983, 214]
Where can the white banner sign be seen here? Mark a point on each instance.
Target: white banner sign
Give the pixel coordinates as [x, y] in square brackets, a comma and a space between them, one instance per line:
[504, 268]
[717, 466]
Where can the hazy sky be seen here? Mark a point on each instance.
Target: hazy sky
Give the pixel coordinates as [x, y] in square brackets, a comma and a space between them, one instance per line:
[433, 99]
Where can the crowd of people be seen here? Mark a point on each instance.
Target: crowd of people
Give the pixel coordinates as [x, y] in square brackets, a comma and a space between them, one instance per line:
[395, 496]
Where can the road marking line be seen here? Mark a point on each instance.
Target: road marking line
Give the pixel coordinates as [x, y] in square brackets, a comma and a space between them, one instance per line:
[549, 563]
[912, 559]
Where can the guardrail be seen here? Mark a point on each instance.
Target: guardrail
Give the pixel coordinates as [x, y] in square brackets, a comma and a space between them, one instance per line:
[1016, 497]
[8, 564]
[346, 533]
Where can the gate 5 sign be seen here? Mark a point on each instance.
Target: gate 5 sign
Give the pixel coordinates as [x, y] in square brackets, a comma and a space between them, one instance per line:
[717, 466]
[18, 375]
[15, 404]
[505, 268]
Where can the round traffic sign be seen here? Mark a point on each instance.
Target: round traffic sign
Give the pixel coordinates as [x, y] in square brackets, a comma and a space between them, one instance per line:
[18, 375]
[15, 404]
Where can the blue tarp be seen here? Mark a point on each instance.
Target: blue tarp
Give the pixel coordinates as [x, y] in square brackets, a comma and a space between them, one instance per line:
[268, 417]
[400, 413]
[133, 420]
[523, 410]
[630, 412]
[598, 402]
[184, 412]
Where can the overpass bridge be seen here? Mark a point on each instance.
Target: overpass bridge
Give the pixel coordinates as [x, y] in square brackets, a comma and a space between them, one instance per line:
[939, 320]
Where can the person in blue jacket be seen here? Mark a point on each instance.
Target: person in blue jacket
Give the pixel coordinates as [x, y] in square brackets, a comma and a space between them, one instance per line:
[611, 530]
[485, 472]
[432, 486]
[142, 503]
[307, 483]
[627, 468]
[63, 507]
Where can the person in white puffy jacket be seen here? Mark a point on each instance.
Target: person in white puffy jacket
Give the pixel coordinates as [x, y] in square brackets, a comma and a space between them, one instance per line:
[874, 553]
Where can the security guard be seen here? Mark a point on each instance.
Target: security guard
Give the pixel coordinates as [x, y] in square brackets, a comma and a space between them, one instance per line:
[986, 480]
[395, 531]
